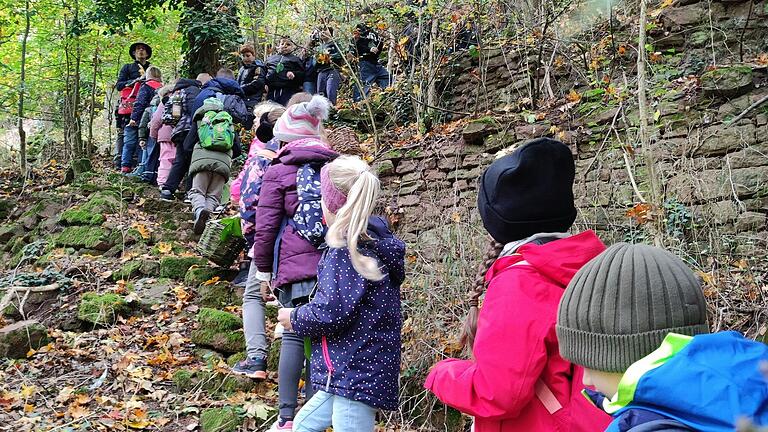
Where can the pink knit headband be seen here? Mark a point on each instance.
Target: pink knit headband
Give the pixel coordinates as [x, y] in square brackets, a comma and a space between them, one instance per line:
[333, 198]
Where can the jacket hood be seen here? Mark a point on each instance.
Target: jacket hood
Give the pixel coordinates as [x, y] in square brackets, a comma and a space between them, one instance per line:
[183, 83]
[227, 86]
[389, 250]
[558, 260]
[305, 151]
[707, 382]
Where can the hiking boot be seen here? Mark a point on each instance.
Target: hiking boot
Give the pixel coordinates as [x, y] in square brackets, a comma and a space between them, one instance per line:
[282, 425]
[255, 368]
[137, 172]
[200, 221]
[166, 195]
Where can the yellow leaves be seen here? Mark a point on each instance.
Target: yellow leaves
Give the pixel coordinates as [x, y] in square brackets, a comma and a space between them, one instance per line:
[456, 217]
[164, 247]
[28, 391]
[762, 59]
[137, 419]
[641, 212]
[573, 96]
[82, 399]
[622, 50]
[411, 259]
[78, 411]
[741, 264]
[655, 57]
[142, 229]
[211, 281]
[64, 394]
[28, 408]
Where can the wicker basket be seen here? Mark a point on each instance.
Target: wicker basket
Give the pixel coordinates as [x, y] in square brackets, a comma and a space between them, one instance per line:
[220, 247]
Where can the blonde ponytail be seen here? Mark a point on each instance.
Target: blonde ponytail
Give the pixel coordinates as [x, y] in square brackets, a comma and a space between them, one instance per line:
[352, 176]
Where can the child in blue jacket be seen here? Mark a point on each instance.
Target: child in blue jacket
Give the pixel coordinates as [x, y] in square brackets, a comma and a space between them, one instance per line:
[636, 319]
[354, 318]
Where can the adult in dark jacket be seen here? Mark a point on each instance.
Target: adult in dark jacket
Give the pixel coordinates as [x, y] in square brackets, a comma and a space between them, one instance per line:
[366, 47]
[252, 78]
[285, 73]
[131, 137]
[128, 75]
[299, 129]
[218, 85]
[329, 62]
[310, 64]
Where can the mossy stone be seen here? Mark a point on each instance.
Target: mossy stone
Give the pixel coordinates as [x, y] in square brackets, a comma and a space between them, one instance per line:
[79, 237]
[223, 419]
[218, 383]
[102, 309]
[273, 356]
[183, 380]
[18, 338]
[235, 358]
[10, 231]
[128, 271]
[218, 294]
[6, 205]
[177, 267]
[727, 82]
[103, 202]
[79, 216]
[219, 330]
[198, 275]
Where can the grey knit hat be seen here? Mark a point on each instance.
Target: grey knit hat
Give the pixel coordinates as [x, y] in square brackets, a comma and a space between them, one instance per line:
[619, 307]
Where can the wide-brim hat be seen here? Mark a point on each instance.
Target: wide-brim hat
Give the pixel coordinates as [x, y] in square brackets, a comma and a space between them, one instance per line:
[133, 47]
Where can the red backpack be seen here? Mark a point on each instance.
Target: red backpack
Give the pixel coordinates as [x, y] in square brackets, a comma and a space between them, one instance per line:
[128, 95]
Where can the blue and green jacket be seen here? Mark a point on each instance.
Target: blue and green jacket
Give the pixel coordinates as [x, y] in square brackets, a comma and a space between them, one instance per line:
[702, 383]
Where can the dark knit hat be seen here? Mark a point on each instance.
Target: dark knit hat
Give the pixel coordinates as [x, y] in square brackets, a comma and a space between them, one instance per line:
[132, 49]
[264, 130]
[621, 305]
[529, 191]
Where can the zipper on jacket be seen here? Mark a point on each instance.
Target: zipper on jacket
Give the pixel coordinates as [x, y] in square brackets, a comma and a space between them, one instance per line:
[328, 364]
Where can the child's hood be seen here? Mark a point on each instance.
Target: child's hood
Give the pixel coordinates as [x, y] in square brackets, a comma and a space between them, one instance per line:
[226, 85]
[389, 250]
[559, 260]
[305, 151]
[706, 382]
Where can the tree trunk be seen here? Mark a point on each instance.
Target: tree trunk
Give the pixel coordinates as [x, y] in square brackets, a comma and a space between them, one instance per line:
[72, 123]
[22, 90]
[91, 145]
[203, 55]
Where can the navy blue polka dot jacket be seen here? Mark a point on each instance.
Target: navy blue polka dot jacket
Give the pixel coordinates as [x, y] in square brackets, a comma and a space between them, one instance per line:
[355, 323]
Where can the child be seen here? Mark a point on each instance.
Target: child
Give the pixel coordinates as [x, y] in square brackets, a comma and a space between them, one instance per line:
[635, 318]
[263, 151]
[252, 79]
[516, 380]
[209, 168]
[285, 73]
[161, 129]
[146, 140]
[354, 319]
[146, 93]
[329, 61]
[285, 260]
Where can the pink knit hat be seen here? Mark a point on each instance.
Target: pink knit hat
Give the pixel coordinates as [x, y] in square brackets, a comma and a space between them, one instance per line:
[302, 120]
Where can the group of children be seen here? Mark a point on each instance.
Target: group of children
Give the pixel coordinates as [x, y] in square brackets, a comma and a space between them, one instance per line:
[562, 317]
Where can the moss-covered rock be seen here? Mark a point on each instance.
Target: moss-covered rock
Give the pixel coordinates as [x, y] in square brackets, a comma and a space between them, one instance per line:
[6, 205]
[235, 358]
[10, 231]
[18, 338]
[184, 380]
[177, 267]
[223, 384]
[103, 202]
[102, 309]
[218, 295]
[219, 330]
[79, 237]
[223, 419]
[273, 356]
[270, 311]
[728, 82]
[128, 271]
[198, 275]
[79, 216]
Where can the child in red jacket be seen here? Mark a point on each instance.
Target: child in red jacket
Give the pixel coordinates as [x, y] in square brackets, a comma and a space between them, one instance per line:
[516, 380]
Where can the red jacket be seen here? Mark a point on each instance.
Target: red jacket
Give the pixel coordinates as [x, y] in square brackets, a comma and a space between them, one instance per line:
[517, 380]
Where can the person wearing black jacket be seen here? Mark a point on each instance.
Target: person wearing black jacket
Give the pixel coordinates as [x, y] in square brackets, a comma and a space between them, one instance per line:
[329, 61]
[252, 78]
[285, 72]
[366, 47]
[128, 75]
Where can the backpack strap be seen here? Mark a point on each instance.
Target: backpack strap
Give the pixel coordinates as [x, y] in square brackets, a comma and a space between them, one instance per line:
[547, 398]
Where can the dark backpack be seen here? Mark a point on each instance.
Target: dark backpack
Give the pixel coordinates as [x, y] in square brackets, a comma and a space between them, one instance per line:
[174, 108]
[235, 106]
[308, 219]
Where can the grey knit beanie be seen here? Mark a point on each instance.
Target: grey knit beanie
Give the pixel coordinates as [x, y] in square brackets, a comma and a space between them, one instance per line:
[621, 305]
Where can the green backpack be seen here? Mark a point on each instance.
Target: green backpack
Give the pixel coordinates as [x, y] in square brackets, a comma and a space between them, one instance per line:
[216, 131]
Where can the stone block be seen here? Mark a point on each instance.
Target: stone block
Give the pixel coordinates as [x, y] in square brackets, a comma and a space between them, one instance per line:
[720, 140]
[727, 82]
[18, 338]
[750, 221]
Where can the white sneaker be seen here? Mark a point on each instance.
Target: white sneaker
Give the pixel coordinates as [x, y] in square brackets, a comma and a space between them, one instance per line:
[279, 329]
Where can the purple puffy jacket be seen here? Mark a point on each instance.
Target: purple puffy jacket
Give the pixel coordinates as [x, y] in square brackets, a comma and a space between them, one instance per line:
[298, 258]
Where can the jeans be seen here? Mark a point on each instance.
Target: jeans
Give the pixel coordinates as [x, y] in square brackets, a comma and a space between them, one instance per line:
[325, 410]
[179, 168]
[328, 82]
[206, 191]
[289, 369]
[309, 87]
[130, 145]
[151, 160]
[281, 95]
[254, 324]
[370, 73]
[119, 147]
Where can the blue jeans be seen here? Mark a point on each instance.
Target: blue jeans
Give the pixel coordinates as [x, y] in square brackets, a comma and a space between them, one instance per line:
[370, 73]
[325, 410]
[328, 82]
[151, 160]
[130, 145]
[309, 87]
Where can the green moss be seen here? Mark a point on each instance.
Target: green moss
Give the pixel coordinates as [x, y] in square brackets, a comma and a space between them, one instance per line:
[218, 320]
[198, 275]
[236, 357]
[183, 380]
[593, 95]
[223, 419]
[176, 267]
[219, 330]
[224, 384]
[218, 295]
[102, 309]
[105, 201]
[273, 356]
[81, 237]
[77, 216]
[270, 311]
[129, 270]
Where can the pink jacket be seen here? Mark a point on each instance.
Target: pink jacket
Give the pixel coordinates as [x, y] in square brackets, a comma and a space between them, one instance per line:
[234, 187]
[157, 130]
[517, 380]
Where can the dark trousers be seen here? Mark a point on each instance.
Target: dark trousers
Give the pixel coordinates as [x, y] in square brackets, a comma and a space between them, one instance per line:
[179, 168]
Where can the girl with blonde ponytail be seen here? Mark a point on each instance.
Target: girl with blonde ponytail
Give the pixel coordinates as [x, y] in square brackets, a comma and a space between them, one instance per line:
[354, 319]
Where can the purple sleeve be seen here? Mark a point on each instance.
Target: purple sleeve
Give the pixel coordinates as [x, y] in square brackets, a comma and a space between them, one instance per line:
[340, 292]
[269, 217]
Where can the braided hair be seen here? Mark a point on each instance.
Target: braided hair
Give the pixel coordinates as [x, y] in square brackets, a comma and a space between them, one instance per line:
[469, 330]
